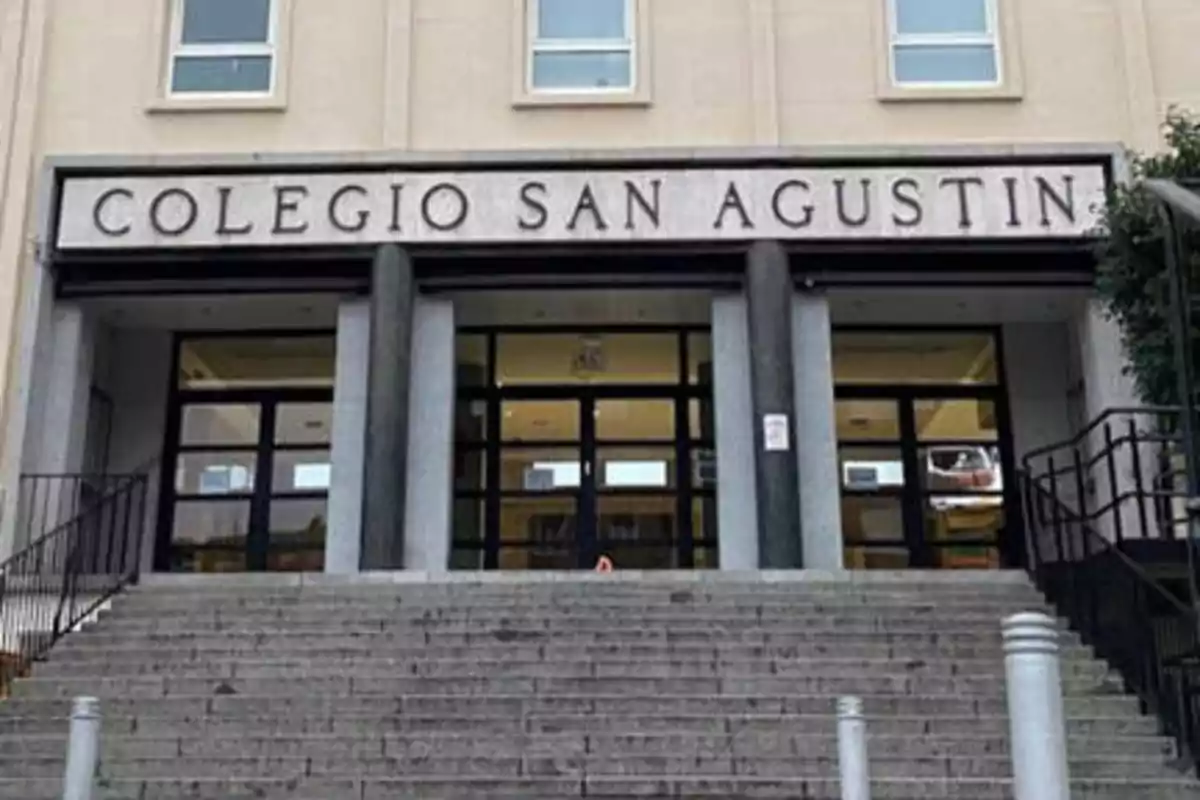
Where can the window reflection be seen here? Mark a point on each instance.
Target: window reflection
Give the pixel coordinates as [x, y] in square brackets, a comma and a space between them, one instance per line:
[219, 424]
[896, 357]
[215, 473]
[962, 468]
[871, 468]
[231, 363]
[866, 420]
[303, 423]
[558, 359]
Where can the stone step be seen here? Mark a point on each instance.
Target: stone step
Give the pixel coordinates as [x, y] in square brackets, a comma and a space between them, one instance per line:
[566, 765]
[676, 744]
[168, 606]
[868, 620]
[587, 583]
[79, 648]
[1099, 730]
[675, 666]
[289, 724]
[518, 706]
[623, 593]
[609, 788]
[526, 635]
[356, 677]
[394, 686]
[624, 680]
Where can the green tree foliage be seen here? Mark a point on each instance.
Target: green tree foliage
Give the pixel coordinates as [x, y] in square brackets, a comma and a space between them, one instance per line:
[1133, 271]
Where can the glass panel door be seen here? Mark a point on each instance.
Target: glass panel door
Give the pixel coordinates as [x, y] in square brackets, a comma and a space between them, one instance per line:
[922, 478]
[961, 480]
[301, 471]
[572, 444]
[638, 469]
[216, 469]
[251, 477]
[541, 479]
[873, 480]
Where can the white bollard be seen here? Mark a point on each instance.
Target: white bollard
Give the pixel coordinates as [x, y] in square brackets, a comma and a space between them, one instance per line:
[83, 750]
[852, 749]
[1035, 708]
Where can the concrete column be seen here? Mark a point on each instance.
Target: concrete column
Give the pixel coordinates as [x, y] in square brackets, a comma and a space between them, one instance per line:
[431, 442]
[28, 290]
[769, 308]
[737, 511]
[386, 460]
[1035, 708]
[1038, 379]
[816, 433]
[1103, 361]
[56, 419]
[1106, 386]
[343, 545]
[65, 405]
[139, 384]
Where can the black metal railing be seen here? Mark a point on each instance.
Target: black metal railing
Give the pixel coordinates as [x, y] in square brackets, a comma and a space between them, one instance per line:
[1119, 480]
[1124, 474]
[46, 502]
[63, 575]
[1179, 215]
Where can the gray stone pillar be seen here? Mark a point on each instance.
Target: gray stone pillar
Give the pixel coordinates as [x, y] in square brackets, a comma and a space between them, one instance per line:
[769, 310]
[343, 544]
[816, 432]
[737, 513]
[384, 481]
[431, 444]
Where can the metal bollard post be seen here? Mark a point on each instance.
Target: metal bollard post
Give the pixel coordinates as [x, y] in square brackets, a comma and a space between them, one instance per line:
[852, 749]
[1035, 708]
[83, 750]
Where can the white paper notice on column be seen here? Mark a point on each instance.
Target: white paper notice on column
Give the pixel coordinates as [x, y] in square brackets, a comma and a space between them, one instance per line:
[776, 433]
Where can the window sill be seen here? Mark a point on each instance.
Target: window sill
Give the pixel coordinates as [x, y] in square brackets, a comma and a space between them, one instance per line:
[950, 94]
[631, 99]
[211, 104]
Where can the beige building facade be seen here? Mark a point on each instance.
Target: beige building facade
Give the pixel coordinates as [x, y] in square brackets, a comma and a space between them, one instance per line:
[479, 284]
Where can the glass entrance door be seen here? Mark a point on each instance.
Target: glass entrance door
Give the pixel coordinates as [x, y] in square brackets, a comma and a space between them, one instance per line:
[541, 483]
[251, 480]
[589, 475]
[922, 475]
[572, 444]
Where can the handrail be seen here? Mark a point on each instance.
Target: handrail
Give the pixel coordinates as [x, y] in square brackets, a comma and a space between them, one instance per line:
[1147, 633]
[122, 482]
[1176, 195]
[1106, 547]
[61, 577]
[1095, 424]
[1178, 204]
[1123, 461]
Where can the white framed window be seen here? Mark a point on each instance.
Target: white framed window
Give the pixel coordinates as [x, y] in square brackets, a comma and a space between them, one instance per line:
[582, 46]
[944, 43]
[223, 48]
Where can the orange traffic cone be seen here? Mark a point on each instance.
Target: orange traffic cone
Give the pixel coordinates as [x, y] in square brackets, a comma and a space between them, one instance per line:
[605, 564]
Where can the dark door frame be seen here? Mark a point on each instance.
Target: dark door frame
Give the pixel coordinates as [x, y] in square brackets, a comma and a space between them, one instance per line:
[261, 496]
[589, 543]
[682, 392]
[913, 495]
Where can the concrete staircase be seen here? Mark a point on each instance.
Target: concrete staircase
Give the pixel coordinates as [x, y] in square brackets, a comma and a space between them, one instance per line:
[539, 686]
